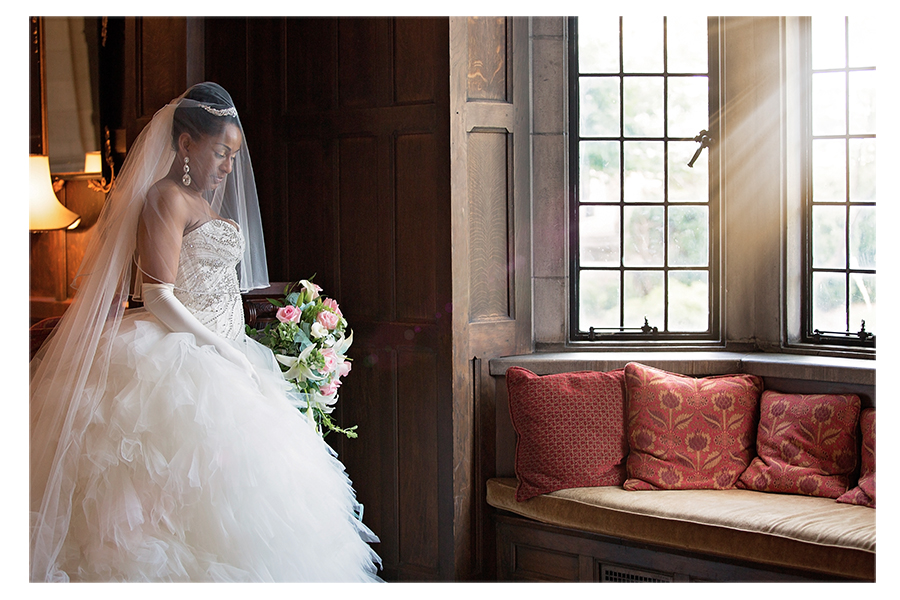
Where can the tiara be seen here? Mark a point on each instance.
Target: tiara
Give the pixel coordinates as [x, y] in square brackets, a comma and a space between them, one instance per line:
[220, 112]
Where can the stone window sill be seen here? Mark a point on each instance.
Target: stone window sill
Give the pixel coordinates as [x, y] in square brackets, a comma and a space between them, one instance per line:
[849, 371]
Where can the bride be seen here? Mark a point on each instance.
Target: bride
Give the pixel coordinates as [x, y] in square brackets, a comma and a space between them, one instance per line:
[164, 446]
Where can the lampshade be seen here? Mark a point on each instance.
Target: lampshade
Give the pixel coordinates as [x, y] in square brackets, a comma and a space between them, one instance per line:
[92, 162]
[45, 212]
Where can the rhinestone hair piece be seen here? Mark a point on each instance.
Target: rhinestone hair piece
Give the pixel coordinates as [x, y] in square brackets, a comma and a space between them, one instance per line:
[220, 112]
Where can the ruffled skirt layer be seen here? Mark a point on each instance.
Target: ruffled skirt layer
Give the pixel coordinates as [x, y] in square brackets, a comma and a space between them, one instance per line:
[191, 471]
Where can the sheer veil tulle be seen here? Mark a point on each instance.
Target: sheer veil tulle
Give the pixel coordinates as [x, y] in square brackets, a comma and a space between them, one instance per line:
[62, 395]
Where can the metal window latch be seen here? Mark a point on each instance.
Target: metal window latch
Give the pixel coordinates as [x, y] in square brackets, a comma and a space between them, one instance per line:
[595, 332]
[705, 141]
[862, 334]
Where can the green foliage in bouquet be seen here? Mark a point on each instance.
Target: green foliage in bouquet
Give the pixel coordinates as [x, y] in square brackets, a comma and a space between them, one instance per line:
[310, 341]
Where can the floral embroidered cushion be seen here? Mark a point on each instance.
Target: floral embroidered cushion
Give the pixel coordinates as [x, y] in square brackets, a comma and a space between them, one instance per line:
[806, 444]
[864, 492]
[571, 429]
[688, 433]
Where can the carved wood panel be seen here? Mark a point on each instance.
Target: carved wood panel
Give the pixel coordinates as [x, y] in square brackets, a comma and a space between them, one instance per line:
[162, 65]
[363, 244]
[413, 78]
[487, 53]
[418, 478]
[491, 224]
[416, 202]
[489, 235]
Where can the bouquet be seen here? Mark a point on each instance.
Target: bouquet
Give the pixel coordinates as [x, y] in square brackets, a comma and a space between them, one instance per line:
[310, 342]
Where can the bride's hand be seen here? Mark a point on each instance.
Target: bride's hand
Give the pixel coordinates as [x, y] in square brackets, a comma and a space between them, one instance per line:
[240, 359]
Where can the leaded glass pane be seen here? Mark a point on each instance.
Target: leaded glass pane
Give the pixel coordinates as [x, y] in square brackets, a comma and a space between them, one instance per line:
[599, 172]
[599, 299]
[688, 300]
[598, 236]
[688, 236]
[644, 297]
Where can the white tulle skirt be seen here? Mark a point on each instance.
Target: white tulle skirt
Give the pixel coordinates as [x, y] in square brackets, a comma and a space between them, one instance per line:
[191, 471]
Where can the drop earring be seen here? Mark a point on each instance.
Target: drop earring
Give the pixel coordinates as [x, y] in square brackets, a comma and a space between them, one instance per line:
[186, 178]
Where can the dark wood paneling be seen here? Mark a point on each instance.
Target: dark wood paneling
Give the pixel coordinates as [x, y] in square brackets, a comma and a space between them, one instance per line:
[364, 244]
[413, 78]
[364, 403]
[361, 72]
[162, 64]
[312, 203]
[310, 85]
[418, 400]
[347, 121]
[87, 204]
[48, 265]
[416, 202]
[532, 551]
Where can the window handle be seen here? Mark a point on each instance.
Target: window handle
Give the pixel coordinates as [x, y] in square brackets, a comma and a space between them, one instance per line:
[705, 141]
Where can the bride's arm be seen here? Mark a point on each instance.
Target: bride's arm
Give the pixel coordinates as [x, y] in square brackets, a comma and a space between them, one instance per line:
[160, 300]
[164, 219]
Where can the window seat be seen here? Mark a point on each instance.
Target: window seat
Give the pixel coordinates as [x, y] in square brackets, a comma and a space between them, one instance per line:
[783, 530]
[578, 534]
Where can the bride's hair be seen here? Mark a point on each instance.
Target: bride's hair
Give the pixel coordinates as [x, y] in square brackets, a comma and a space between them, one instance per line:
[197, 122]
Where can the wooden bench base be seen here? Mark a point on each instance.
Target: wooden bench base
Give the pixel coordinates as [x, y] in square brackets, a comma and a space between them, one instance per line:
[532, 551]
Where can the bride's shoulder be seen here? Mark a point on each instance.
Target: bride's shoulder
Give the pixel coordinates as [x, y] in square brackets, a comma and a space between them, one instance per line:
[165, 201]
[164, 189]
[165, 193]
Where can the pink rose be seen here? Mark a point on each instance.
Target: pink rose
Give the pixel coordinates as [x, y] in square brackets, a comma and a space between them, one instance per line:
[288, 314]
[328, 319]
[332, 306]
[330, 388]
[331, 359]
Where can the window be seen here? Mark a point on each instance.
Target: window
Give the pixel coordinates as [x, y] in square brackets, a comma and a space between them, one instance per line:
[644, 256]
[840, 255]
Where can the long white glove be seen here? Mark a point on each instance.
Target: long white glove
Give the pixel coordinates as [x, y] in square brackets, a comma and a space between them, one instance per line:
[160, 300]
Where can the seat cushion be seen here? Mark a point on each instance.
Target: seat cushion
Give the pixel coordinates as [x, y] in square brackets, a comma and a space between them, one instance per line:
[801, 532]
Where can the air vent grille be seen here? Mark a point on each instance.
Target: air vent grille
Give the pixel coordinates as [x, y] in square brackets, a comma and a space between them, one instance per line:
[616, 574]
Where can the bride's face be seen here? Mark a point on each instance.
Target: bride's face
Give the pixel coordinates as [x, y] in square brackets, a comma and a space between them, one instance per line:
[212, 158]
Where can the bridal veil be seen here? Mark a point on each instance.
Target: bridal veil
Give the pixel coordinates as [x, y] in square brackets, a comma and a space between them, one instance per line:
[62, 395]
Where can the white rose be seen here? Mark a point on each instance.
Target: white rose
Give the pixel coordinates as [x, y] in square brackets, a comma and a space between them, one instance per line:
[318, 330]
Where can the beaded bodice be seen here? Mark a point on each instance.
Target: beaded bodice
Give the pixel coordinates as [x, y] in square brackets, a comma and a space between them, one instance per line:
[207, 282]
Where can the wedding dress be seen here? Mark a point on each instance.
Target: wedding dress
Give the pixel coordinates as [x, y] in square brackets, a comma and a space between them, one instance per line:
[165, 444]
[190, 470]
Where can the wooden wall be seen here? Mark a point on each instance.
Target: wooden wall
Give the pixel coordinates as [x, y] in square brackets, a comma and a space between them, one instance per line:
[491, 165]
[347, 121]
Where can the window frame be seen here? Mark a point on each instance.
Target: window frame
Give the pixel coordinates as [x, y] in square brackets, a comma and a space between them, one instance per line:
[809, 334]
[646, 336]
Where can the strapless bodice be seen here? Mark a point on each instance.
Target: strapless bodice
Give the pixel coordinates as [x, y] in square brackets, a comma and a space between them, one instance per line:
[207, 282]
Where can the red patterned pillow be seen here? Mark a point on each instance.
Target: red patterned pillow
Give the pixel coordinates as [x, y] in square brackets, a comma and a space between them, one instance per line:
[571, 429]
[806, 444]
[686, 432]
[864, 492]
